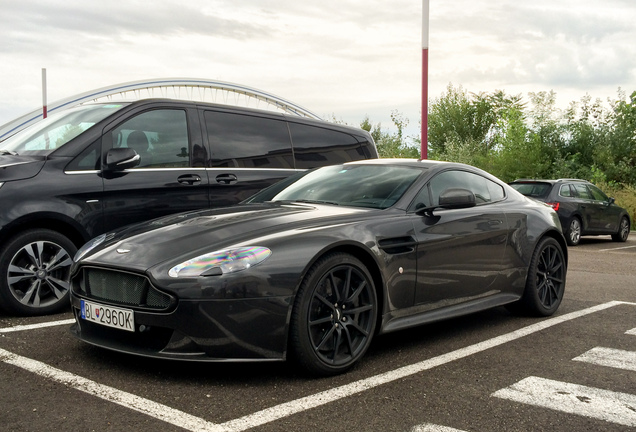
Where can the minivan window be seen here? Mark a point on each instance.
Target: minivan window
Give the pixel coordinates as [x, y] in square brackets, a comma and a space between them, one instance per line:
[316, 146]
[244, 141]
[160, 137]
[57, 129]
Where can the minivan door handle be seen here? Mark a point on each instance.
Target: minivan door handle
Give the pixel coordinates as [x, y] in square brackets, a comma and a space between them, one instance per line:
[190, 179]
[226, 179]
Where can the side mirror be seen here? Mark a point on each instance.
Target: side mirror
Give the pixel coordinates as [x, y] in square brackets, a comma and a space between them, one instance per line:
[452, 198]
[456, 198]
[611, 200]
[119, 159]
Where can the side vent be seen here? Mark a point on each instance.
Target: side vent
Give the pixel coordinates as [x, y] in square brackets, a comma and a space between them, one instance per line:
[397, 245]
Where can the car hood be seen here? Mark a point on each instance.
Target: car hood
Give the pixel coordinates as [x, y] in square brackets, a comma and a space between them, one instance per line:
[19, 167]
[187, 235]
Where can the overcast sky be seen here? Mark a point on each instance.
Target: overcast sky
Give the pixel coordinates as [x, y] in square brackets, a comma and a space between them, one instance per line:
[342, 58]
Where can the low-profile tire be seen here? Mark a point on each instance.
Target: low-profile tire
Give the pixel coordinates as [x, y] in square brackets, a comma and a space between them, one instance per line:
[623, 230]
[34, 272]
[334, 315]
[545, 283]
[573, 232]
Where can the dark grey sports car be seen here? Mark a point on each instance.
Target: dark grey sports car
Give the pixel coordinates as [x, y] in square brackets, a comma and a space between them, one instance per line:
[313, 267]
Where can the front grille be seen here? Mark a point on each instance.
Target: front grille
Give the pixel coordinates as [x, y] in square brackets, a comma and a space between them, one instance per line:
[122, 288]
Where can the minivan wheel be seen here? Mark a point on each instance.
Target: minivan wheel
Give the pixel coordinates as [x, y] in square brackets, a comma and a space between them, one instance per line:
[34, 270]
[573, 233]
[623, 231]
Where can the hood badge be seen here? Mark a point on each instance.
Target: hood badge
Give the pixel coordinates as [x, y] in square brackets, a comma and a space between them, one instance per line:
[123, 251]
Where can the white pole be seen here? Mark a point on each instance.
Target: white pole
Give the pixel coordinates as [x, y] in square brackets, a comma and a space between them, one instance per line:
[424, 135]
[43, 92]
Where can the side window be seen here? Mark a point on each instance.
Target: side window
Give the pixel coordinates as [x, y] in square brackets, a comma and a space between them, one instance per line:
[160, 137]
[245, 141]
[316, 146]
[564, 191]
[485, 190]
[87, 160]
[582, 192]
[597, 193]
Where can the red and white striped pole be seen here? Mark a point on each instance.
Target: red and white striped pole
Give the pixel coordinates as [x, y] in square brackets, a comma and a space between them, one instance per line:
[43, 93]
[424, 136]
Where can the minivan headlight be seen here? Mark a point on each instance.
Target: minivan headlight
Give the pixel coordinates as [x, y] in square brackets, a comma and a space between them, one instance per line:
[221, 262]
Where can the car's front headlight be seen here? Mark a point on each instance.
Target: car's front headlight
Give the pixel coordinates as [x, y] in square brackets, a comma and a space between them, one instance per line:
[221, 262]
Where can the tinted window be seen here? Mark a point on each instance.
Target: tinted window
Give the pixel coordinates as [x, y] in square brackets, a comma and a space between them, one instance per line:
[565, 191]
[160, 137]
[597, 193]
[485, 190]
[582, 192]
[248, 142]
[532, 189]
[316, 146]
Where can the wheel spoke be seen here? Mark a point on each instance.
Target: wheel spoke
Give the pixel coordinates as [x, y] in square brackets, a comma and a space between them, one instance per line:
[32, 296]
[60, 260]
[59, 287]
[20, 274]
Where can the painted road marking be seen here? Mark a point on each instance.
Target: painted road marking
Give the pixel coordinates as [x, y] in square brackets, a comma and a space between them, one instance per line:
[617, 248]
[631, 332]
[36, 326]
[277, 412]
[429, 427]
[585, 401]
[610, 357]
[128, 400]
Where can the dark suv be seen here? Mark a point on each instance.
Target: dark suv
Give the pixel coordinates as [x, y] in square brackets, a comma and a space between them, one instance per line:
[582, 208]
[96, 167]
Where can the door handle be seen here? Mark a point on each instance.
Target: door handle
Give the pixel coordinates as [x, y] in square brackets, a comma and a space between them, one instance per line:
[189, 179]
[226, 179]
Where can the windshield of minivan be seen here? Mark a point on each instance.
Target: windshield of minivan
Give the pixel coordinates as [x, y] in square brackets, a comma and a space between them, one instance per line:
[56, 130]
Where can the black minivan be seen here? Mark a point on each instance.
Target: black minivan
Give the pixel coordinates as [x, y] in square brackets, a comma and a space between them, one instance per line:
[96, 167]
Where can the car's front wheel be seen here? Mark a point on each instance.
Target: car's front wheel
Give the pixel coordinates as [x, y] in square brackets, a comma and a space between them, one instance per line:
[545, 283]
[334, 315]
[623, 230]
[34, 272]
[573, 233]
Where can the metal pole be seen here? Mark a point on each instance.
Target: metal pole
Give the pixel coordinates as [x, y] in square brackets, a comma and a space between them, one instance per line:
[424, 135]
[43, 93]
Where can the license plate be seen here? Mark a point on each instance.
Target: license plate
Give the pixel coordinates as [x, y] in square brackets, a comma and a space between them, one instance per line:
[109, 316]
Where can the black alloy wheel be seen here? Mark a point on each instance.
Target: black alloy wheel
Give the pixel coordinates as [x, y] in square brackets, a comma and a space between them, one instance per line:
[334, 315]
[545, 284]
[573, 233]
[34, 271]
[623, 230]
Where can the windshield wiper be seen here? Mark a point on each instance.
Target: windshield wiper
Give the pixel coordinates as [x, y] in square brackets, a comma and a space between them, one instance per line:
[7, 152]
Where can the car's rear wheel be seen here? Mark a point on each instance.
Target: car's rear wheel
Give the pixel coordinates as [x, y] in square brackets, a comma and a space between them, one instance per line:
[334, 315]
[623, 230]
[545, 283]
[34, 271]
[573, 233]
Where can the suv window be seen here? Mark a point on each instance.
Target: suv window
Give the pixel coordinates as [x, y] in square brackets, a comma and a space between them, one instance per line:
[485, 190]
[582, 192]
[316, 146]
[160, 137]
[565, 191]
[247, 142]
[598, 194]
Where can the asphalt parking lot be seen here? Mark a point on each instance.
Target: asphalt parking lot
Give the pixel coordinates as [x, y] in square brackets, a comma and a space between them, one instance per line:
[491, 371]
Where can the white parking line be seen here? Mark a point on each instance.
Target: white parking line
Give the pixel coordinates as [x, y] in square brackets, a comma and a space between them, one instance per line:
[277, 412]
[428, 427]
[631, 332]
[617, 248]
[36, 326]
[610, 357]
[145, 406]
[585, 401]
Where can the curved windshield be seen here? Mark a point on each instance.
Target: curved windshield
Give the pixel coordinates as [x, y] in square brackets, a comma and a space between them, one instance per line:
[372, 186]
[56, 130]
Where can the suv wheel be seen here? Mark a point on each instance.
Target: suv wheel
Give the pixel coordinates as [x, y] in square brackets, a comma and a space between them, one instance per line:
[34, 270]
[573, 233]
[623, 231]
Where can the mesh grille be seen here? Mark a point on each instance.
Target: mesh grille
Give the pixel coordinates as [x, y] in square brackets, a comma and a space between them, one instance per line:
[123, 288]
